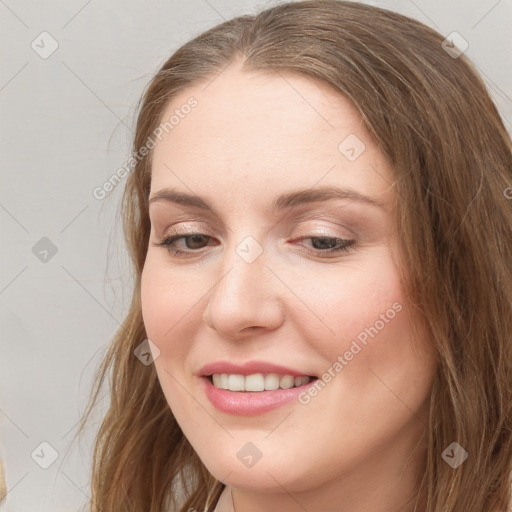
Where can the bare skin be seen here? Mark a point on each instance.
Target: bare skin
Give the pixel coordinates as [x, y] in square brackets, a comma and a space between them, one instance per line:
[354, 446]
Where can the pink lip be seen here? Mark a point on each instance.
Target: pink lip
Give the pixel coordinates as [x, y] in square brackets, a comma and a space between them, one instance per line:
[248, 403]
[248, 368]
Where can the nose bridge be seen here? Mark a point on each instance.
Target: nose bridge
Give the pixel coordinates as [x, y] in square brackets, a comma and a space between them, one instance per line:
[244, 296]
[244, 268]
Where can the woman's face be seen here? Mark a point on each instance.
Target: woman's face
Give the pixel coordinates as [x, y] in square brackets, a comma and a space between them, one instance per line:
[293, 264]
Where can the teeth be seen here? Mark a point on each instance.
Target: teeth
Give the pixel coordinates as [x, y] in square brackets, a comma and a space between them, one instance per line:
[271, 382]
[236, 383]
[286, 382]
[254, 382]
[257, 381]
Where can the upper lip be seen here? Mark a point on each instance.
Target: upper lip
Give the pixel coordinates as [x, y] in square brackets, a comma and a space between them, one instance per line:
[248, 368]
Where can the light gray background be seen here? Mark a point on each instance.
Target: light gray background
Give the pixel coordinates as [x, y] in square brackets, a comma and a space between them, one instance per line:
[66, 128]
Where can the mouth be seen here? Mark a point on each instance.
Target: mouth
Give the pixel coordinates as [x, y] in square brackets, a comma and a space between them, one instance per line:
[258, 382]
[254, 387]
[250, 395]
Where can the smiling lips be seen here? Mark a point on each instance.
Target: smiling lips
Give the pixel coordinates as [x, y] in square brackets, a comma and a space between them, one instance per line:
[253, 388]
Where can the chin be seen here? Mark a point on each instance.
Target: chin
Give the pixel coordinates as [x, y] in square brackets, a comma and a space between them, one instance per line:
[263, 476]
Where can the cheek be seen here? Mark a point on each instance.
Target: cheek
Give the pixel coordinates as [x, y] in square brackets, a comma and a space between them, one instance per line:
[366, 328]
[167, 303]
[353, 303]
[154, 303]
[380, 359]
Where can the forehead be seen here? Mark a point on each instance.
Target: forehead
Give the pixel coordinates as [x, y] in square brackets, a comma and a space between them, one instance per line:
[259, 128]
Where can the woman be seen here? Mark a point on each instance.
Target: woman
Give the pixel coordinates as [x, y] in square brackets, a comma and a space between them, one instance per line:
[320, 229]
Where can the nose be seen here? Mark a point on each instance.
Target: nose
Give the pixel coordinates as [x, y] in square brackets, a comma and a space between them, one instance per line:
[246, 299]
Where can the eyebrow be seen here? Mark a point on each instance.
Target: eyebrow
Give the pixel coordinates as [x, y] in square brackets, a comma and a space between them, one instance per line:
[282, 202]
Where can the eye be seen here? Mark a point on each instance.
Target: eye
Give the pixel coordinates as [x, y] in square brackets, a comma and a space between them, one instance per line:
[325, 245]
[197, 239]
[322, 245]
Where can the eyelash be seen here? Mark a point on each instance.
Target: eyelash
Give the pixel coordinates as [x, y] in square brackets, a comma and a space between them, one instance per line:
[169, 241]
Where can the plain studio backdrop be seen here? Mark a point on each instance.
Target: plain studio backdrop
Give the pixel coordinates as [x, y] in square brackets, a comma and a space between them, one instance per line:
[70, 77]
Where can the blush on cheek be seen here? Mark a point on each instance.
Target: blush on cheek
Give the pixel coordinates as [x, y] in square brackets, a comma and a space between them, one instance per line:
[167, 317]
[156, 322]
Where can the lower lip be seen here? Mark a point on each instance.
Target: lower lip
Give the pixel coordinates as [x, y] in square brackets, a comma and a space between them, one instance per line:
[250, 403]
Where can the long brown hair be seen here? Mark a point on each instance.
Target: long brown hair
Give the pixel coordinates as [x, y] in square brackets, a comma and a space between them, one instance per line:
[431, 115]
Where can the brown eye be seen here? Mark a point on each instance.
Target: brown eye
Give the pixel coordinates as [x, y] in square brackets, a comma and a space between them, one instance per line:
[193, 242]
[323, 245]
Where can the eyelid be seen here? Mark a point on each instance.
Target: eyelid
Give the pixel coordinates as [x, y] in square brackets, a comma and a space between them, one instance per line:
[326, 216]
[315, 229]
[186, 229]
[303, 232]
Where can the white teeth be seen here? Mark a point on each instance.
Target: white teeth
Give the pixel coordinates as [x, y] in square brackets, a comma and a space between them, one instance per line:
[254, 382]
[271, 382]
[236, 382]
[257, 381]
